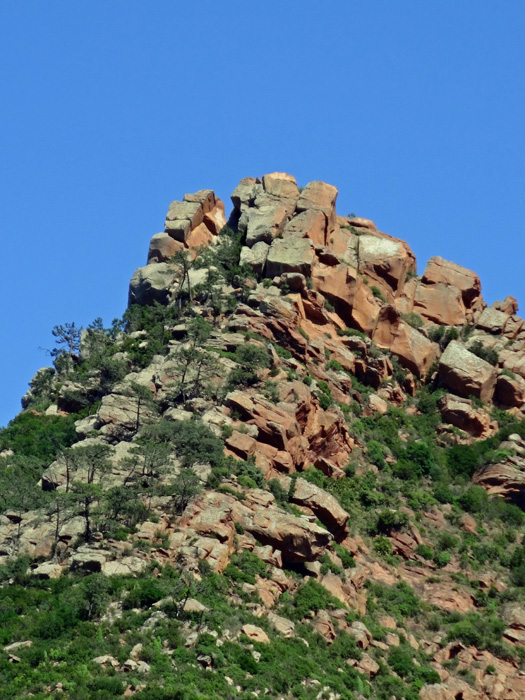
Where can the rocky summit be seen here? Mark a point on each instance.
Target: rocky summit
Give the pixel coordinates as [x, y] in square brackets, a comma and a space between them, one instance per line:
[294, 469]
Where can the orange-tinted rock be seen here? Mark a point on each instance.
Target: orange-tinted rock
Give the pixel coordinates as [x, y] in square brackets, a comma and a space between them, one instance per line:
[325, 506]
[162, 246]
[377, 404]
[324, 625]
[365, 310]
[318, 195]
[199, 236]
[361, 634]
[256, 634]
[465, 374]
[415, 351]
[440, 303]
[281, 185]
[440, 271]
[329, 468]
[468, 524]
[510, 391]
[384, 259]
[338, 284]
[282, 625]
[461, 413]
[448, 598]
[206, 199]
[215, 513]
[308, 224]
[509, 305]
[241, 444]
[502, 480]
[181, 218]
[215, 219]
[359, 222]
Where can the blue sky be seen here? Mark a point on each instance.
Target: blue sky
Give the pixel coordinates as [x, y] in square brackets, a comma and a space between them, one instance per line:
[110, 110]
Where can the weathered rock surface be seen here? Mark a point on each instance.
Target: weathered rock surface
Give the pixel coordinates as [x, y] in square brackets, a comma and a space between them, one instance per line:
[290, 255]
[440, 271]
[297, 539]
[415, 351]
[461, 413]
[465, 374]
[151, 283]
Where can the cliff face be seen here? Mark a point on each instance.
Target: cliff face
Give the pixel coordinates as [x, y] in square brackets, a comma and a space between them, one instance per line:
[291, 436]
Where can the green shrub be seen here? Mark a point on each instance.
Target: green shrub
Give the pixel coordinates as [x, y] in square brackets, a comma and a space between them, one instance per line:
[382, 545]
[441, 559]
[398, 600]
[41, 437]
[376, 453]
[350, 332]
[463, 460]
[425, 551]
[474, 499]
[347, 559]
[390, 520]
[413, 319]
[488, 354]
[377, 293]
[312, 597]
[245, 566]
[334, 365]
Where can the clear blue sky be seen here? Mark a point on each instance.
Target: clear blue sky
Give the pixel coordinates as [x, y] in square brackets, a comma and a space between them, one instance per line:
[110, 110]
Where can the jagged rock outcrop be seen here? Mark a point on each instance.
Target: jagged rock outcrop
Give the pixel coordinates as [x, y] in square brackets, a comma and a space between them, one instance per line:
[296, 538]
[281, 397]
[414, 350]
[448, 293]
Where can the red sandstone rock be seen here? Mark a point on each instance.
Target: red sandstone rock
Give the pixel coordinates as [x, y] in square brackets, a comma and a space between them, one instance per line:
[461, 413]
[414, 350]
[440, 271]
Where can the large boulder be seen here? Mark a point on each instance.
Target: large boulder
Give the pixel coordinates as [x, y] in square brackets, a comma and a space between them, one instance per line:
[290, 255]
[255, 257]
[492, 320]
[440, 271]
[414, 350]
[506, 479]
[196, 219]
[324, 506]
[337, 283]
[181, 218]
[510, 391]
[462, 413]
[380, 257]
[308, 224]
[440, 303]
[465, 374]
[281, 185]
[151, 283]
[215, 514]
[264, 223]
[162, 247]
[318, 195]
[448, 293]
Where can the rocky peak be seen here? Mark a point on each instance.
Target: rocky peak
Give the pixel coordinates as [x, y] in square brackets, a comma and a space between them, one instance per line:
[293, 453]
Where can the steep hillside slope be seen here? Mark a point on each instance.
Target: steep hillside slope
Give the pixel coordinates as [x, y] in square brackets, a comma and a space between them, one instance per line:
[295, 468]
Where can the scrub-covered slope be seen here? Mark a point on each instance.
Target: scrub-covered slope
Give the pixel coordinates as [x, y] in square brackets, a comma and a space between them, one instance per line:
[294, 469]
